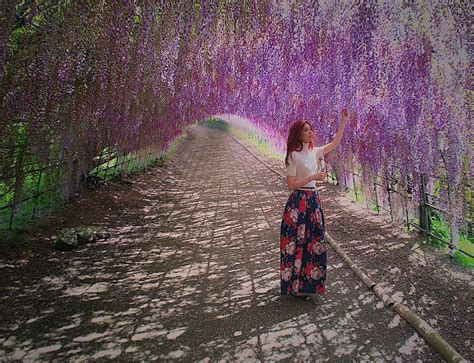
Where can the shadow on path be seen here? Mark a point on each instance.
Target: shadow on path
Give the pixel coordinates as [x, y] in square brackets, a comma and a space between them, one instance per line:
[191, 272]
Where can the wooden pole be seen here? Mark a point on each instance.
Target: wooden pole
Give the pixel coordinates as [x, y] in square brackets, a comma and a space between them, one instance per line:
[421, 326]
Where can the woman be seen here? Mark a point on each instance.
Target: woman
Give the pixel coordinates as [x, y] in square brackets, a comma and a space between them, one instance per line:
[302, 245]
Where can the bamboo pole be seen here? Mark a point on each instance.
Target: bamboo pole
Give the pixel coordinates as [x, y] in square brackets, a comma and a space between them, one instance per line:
[421, 326]
[383, 296]
[364, 278]
[429, 334]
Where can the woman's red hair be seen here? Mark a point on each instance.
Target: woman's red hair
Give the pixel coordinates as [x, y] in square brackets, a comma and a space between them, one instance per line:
[294, 142]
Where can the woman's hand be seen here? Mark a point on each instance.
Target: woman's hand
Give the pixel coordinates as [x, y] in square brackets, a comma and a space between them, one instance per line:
[319, 176]
[344, 117]
[344, 114]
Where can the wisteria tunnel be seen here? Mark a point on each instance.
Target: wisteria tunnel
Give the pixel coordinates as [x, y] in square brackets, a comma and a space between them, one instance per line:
[159, 129]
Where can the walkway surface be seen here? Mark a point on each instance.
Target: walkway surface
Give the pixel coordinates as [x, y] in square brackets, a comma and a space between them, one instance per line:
[191, 272]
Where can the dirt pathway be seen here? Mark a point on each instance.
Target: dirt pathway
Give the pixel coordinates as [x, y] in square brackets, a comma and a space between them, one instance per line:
[190, 273]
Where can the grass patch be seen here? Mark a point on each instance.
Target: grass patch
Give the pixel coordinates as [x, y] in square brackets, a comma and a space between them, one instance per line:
[440, 228]
[359, 197]
[258, 143]
[26, 213]
[374, 206]
[134, 164]
[131, 164]
[216, 123]
[356, 195]
[172, 148]
[462, 259]
[250, 138]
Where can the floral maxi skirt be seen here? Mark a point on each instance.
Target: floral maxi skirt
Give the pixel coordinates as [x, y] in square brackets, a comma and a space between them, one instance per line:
[303, 247]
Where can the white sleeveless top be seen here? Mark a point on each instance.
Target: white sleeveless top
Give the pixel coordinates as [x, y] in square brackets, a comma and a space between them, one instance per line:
[304, 163]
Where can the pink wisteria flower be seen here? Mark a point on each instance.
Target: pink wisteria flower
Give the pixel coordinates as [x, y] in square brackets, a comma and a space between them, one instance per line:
[131, 85]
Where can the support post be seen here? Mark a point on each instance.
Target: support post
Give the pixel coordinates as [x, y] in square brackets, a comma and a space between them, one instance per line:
[425, 212]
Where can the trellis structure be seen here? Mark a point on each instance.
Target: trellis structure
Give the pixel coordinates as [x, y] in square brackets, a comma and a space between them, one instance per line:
[428, 205]
[78, 78]
[43, 197]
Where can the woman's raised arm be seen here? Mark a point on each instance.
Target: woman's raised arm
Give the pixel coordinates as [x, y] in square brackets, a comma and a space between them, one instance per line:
[337, 139]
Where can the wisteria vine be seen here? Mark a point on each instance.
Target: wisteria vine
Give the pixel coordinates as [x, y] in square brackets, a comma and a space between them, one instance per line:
[77, 77]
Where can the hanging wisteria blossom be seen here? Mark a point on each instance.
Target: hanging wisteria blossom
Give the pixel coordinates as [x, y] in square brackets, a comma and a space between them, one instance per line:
[76, 79]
